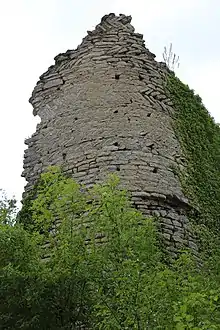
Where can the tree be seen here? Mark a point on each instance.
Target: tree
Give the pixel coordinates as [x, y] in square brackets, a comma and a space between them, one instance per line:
[105, 268]
[8, 209]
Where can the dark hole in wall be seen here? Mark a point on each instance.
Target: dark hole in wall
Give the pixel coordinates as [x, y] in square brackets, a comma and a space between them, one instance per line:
[135, 206]
[151, 146]
[64, 155]
[116, 144]
[149, 114]
[131, 100]
[76, 118]
[141, 77]
[129, 119]
[118, 168]
[155, 170]
[117, 76]
[116, 111]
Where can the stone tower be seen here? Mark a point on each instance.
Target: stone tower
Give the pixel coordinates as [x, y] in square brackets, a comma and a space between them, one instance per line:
[103, 108]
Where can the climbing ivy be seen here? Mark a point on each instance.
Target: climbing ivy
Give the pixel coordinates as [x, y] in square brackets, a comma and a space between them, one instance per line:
[199, 137]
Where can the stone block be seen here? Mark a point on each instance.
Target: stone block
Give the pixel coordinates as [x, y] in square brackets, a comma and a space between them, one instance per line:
[53, 83]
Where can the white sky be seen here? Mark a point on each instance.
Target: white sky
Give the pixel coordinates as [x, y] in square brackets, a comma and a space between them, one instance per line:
[33, 32]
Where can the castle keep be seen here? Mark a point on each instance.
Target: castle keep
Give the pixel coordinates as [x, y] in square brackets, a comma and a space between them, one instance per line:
[103, 108]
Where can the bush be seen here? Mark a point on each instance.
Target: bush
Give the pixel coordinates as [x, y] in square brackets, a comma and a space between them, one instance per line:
[105, 270]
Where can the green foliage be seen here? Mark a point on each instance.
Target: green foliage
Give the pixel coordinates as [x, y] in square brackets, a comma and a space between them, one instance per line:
[199, 136]
[35, 294]
[24, 216]
[8, 209]
[105, 269]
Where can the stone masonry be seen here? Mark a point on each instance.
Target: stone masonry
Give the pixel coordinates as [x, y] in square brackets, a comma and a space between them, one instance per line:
[103, 108]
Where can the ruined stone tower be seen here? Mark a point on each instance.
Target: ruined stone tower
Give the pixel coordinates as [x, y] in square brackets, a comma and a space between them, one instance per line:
[103, 108]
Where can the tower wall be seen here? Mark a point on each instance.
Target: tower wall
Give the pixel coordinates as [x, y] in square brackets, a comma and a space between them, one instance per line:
[103, 108]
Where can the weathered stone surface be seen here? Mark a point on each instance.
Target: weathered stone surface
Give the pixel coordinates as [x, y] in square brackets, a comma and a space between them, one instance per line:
[53, 83]
[103, 108]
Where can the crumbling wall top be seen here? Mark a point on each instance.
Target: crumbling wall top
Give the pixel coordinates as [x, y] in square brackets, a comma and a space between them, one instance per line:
[54, 77]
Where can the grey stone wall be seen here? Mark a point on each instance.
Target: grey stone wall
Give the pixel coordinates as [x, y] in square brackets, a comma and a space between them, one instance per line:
[103, 108]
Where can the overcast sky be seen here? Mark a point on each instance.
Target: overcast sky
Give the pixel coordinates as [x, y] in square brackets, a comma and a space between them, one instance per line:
[33, 32]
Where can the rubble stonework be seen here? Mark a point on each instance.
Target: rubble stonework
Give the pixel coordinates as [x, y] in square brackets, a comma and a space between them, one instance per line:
[103, 108]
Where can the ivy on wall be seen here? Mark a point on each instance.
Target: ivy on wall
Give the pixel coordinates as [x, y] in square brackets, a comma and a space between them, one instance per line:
[199, 137]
